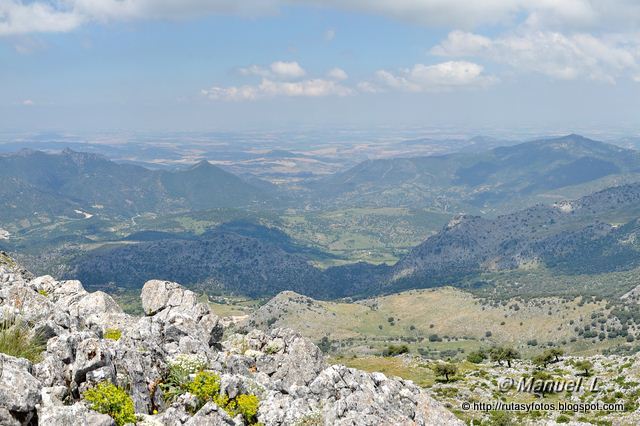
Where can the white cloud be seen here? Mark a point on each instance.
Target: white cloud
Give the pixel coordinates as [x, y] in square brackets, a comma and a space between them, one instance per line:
[368, 87]
[330, 34]
[432, 78]
[556, 14]
[18, 18]
[550, 53]
[269, 88]
[41, 16]
[420, 78]
[31, 16]
[27, 102]
[254, 70]
[430, 12]
[287, 69]
[106, 10]
[278, 69]
[337, 74]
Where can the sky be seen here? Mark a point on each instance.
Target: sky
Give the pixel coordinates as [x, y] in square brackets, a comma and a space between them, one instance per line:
[201, 65]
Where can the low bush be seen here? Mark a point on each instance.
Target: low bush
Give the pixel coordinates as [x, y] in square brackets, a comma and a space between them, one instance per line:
[106, 398]
[205, 386]
[112, 334]
[393, 350]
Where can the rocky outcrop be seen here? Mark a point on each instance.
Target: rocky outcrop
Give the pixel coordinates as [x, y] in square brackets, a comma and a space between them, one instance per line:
[19, 391]
[284, 370]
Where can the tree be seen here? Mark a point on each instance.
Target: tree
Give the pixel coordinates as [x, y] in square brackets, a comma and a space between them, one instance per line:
[584, 365]
[393, 350]
[543, 359]
[506, 354]
[556, 353]
[445, 370]
[548, 356]
[476, 357]
[324, 344]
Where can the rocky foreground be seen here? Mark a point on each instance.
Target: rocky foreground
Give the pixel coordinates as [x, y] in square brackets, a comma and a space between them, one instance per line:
[90, 341]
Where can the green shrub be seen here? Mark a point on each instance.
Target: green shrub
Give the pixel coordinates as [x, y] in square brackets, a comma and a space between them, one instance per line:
[206, 387]
[501, 418]
[477, 357]
[393, 350]
[176, 383]
[177, 380]
[43, 292]
[562, 418]
[106, 398]
[16, 340]
[247, 405]
[112, 334]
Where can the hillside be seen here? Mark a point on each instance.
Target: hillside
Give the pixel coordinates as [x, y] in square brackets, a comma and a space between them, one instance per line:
[458, 320]
[596, 234]
[38, 187]
[236, 257]
[503, 178]
[92, 364]
[580, 236]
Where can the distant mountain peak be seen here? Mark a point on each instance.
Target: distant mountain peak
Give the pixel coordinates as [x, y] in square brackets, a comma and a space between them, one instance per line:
[202, 164]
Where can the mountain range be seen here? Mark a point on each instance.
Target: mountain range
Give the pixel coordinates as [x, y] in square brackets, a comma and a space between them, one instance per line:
[493, 181]
[595, 233]
[38, 186]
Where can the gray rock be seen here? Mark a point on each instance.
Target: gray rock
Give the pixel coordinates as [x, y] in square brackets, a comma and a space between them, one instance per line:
[285, 370]
[210, 415]
[213, 328]
[7, 419]
[431, 412]
[72, 415]
[91, 304]
[284, 355]
[54, 395]
[19, 390]
[90, 354]
[158, 295]
[26, 303]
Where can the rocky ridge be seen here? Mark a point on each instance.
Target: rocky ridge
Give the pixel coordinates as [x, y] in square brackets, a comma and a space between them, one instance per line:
[285, 371]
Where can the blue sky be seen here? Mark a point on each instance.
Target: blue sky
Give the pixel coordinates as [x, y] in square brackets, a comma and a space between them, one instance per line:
[96, 65]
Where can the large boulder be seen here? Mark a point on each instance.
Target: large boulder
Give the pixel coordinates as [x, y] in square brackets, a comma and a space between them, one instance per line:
[72, 415]
[11, 272]
[179, 308]
[26, 304]
[19, 391]
[283, 356]
[94, 304]
[346, 396]
[166, 295]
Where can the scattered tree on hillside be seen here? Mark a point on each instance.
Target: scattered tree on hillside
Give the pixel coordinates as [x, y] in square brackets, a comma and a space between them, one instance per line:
[393, 350]
[584, 365]
[506, 354]
[445, 369]
[477, 357]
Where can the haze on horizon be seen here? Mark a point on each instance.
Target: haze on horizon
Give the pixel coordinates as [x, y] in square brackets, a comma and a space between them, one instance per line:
[83, 65]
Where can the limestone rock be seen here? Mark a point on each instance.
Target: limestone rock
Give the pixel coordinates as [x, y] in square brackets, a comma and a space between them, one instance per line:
[158, 295]
[72, 415]
[19, 390]
[286, 371]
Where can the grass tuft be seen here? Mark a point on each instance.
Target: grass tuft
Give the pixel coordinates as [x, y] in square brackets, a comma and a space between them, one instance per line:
[17, 340]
